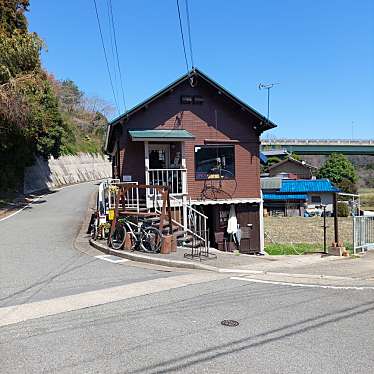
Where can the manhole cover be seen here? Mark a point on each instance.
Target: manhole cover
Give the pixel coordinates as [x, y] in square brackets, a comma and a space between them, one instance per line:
[229, 322]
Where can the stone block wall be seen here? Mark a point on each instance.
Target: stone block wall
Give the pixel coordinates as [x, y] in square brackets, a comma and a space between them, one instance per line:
[65, 170]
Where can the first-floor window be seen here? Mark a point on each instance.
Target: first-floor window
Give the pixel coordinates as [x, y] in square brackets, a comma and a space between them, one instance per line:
[316, 199]
[215, 162]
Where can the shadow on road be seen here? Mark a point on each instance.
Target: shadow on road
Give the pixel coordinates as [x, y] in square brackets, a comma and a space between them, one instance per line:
[235, 346]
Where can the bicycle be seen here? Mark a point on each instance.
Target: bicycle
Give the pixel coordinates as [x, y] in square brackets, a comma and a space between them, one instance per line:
[142, 235]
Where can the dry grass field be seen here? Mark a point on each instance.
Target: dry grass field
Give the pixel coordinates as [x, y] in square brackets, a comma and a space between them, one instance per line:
[286, 230]
[367, 198]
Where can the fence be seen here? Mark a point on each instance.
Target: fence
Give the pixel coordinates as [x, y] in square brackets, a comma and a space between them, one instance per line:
[363, 233]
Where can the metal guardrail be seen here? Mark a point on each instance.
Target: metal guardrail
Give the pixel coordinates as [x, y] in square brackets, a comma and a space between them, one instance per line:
[352, 142]
[363, 233]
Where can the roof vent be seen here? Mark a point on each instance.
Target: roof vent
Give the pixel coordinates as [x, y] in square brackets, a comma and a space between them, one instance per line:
[198, 100]
[186, 99]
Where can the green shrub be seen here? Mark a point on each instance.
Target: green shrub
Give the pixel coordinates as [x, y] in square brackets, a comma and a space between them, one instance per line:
[343, 210]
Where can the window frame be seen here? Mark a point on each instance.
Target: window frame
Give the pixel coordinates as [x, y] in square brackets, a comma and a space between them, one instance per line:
[233, 177]
[316, 202]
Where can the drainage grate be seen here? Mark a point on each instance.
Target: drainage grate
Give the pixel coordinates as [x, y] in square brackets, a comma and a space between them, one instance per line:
[230, 323]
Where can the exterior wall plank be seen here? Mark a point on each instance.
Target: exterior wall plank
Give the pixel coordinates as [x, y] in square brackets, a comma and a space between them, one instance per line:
[218, 119]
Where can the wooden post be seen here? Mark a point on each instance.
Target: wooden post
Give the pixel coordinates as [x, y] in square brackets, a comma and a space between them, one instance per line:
[163, 211]
[169, 212]
[336, 224]
[114, 222]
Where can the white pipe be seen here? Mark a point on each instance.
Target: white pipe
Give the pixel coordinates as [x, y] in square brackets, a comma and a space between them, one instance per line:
[262, 232]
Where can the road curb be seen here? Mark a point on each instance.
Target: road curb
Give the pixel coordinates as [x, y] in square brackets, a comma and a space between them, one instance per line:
[198, 266]
[150, 260]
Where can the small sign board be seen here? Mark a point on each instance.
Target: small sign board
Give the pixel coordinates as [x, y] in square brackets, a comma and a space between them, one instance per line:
[127, 178]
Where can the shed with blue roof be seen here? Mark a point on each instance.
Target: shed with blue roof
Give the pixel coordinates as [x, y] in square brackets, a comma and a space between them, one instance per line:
[295, 197]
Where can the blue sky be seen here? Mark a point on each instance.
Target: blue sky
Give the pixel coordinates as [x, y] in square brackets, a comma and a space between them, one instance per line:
[321, 52]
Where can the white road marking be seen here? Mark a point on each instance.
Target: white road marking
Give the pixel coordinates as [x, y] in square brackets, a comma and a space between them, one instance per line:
[23, 312]
[20, 210]
[52, 189]
[112, 259]
[252, 280]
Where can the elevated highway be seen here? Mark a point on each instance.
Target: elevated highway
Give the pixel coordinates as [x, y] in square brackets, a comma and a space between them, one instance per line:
[320, 146]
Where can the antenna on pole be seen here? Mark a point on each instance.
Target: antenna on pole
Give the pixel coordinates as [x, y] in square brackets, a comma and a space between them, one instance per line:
[267, 86]
[352, 123]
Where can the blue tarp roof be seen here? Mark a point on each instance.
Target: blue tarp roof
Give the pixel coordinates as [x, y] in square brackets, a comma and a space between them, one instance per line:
[273, 196]
[263, 159]
[307, 185]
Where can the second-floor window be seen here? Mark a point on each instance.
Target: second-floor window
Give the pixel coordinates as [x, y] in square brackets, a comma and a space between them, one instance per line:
[214, 162]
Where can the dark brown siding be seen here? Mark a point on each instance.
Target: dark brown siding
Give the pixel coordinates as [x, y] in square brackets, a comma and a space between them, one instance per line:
[232, 124]
[303, 172]
[246, 214]
[249, 214]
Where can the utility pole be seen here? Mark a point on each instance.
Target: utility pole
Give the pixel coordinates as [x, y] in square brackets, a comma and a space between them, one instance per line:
[323, 206]
[267, 86]
[336, 224]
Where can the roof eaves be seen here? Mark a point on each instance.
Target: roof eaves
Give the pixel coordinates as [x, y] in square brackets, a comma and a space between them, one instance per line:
[148, 100]
[303, 163]
[267, 122]
[266, 125]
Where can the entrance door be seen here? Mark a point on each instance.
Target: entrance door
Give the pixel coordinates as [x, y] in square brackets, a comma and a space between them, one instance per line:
[159, 156]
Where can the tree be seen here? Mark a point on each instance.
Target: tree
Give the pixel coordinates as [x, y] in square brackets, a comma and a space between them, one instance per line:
[12, 16]
[30, 121]
[340, 171]
[69, 95]
[347, 186]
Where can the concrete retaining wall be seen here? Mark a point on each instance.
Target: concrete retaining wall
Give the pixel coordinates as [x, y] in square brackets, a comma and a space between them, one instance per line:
[65, 170]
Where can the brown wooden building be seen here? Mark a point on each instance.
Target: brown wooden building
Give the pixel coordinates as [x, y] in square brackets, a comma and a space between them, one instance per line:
[295, 168]
[201, 141]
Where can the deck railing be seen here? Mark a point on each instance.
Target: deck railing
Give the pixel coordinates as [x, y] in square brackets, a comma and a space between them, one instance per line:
[188, 219]
[175, 179]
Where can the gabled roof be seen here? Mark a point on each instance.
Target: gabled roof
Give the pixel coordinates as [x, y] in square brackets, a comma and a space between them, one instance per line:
[293, 160]
[195, 74]
[307, 185]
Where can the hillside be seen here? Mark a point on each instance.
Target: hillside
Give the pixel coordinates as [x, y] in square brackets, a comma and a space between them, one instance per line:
[364, 166]
[84, 116]
[39, 115]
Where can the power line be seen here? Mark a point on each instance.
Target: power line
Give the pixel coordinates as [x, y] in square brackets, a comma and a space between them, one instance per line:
[182, 35]
[189, 32]
[105, 55]
[117, 55]
[112, 49]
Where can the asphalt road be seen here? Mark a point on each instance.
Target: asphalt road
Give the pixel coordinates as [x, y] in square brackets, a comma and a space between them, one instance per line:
[37, 256]
[281, 329]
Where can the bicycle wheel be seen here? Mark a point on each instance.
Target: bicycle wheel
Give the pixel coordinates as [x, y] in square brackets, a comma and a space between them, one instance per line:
[94, 231]
[117, 239]
[151, 240]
